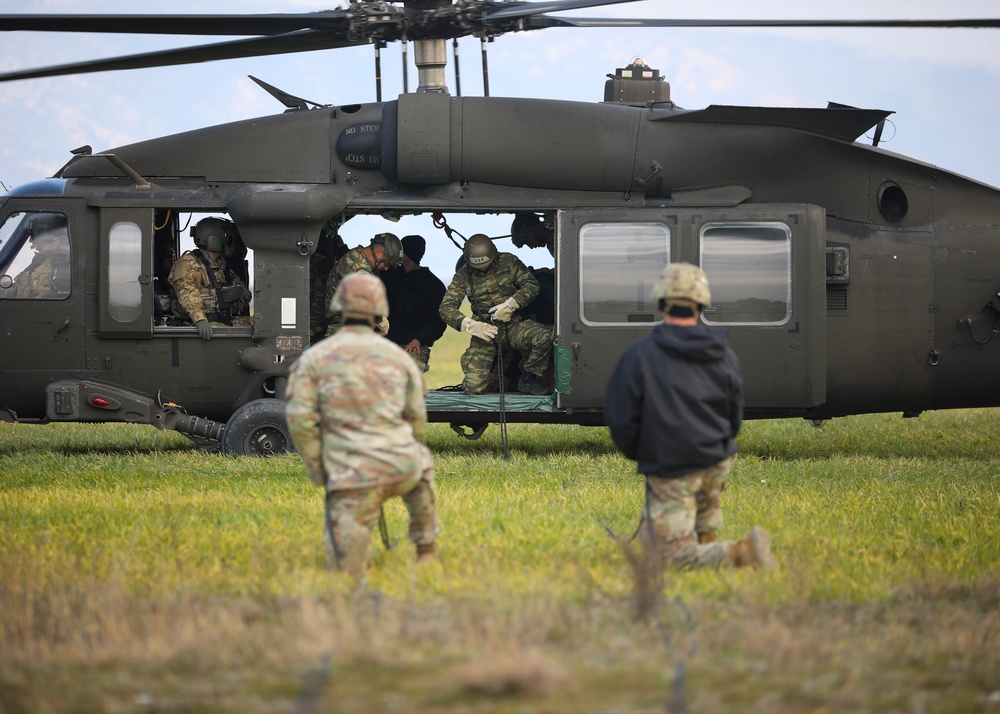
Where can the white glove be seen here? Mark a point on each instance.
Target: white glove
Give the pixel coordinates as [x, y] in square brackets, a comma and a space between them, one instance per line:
[503, 311]
[482, 330]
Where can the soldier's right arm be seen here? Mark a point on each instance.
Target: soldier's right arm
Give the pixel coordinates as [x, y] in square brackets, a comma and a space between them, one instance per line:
[303, 415]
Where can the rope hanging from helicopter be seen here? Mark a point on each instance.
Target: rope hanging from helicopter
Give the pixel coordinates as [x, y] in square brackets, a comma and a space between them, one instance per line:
[441, 223]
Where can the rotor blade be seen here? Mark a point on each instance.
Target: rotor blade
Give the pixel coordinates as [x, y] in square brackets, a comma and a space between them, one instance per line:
[301, 41]
[540, 22]
[273, 24]
[523, 9]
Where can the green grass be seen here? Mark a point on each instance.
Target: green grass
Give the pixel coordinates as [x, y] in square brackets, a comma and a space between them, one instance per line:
[138, 574]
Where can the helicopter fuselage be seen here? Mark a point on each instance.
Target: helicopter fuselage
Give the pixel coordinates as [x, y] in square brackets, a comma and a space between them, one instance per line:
[850, 279]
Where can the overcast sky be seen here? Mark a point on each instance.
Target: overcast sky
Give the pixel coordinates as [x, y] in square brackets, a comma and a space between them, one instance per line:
[944, 85]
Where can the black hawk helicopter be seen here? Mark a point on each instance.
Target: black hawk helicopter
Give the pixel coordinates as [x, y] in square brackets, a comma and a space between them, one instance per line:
[850, 279]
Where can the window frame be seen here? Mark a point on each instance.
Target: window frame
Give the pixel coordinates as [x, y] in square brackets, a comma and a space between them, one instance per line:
[717, 283]
[620, 230]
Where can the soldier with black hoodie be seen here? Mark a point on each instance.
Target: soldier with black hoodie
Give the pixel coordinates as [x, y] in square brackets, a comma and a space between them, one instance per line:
[675, 405]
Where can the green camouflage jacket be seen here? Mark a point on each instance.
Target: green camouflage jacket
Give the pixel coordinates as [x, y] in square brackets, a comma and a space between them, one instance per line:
[194, 296]
[353, 261]
[506, 277]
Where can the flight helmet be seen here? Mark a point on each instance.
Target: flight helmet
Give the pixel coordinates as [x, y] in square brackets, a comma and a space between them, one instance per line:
[392, 248]
[479, 251]
[210, 234]
[45, 223]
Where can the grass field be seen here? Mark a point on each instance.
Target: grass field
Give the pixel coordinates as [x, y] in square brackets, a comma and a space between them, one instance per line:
[139, 575]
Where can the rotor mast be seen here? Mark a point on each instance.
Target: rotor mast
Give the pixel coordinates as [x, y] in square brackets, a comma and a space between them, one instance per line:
[431, 58]
[430, 54]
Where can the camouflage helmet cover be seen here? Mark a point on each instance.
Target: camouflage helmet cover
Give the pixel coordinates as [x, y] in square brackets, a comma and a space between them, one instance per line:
[360, 295]
[391, 246]
[685, 282]
[210, 234]
[479, 251]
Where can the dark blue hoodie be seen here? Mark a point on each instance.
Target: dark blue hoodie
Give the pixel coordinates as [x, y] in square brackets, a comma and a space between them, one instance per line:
[675, 400]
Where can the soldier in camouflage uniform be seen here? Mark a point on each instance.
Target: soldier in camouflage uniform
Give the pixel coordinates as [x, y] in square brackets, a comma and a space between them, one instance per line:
[355, 412]
[385, 251]
[48, 274]
[206, 290]
[497, 285]
[330, 249]
[675, 405]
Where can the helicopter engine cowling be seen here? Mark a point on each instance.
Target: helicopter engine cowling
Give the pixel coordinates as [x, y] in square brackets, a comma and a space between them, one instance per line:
[437, 139]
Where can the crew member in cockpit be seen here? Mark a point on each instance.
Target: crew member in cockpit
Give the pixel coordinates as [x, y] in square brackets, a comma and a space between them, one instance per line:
[48, 274]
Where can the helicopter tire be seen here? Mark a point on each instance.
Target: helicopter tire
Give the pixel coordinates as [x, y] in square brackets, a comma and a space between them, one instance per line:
[258, 428]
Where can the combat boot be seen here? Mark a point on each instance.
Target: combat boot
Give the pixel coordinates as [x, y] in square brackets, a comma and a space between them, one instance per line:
[754, 551]
[530, 384]
[426, 552]
[708, 537]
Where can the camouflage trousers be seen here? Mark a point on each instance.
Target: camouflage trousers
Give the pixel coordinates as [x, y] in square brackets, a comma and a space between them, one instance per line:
[678, 509]
[351, 514]
[531, 339]
[423, 359]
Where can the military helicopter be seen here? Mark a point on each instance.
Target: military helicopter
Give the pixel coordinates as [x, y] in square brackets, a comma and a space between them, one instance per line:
[850, 279]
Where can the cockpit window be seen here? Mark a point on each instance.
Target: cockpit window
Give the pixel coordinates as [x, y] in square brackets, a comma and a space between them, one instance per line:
[35, 256]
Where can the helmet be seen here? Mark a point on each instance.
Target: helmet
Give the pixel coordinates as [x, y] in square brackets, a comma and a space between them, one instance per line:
[391, 246]
[210, 234]
[685, 282]
[360, 295]
[530, 230]
[47, 223]
[233, 244]
[479, 251]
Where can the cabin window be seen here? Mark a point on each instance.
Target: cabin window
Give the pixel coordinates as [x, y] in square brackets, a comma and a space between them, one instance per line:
[35, 256]
[749, 272]
[619, 265]
[124, 269]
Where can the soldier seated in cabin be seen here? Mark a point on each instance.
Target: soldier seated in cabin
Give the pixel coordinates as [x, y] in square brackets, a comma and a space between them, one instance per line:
[207, 291]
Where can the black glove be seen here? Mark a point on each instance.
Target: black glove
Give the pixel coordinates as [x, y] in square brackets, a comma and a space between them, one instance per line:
[204, 329]
[231, 293]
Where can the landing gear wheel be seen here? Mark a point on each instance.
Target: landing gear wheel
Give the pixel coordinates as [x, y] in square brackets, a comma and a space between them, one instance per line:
[258, 428]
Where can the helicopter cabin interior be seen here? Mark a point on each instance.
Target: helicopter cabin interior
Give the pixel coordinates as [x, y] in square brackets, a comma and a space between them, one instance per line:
[762, 262]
